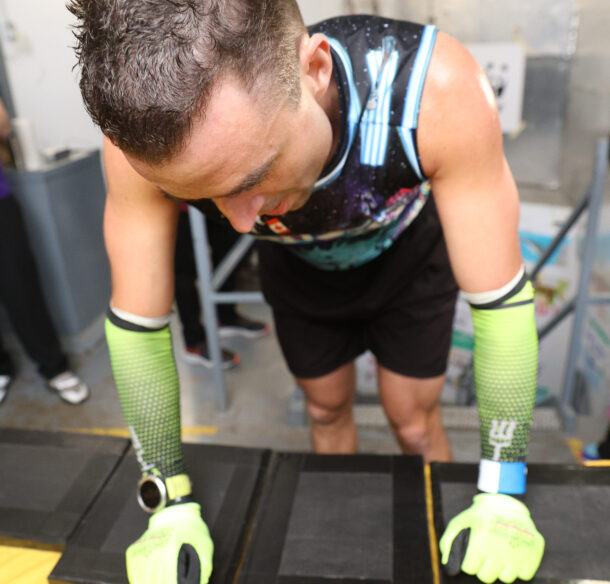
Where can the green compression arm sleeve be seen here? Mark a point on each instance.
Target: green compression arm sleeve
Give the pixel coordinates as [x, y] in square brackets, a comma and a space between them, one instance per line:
[505, 371]
[147, 382]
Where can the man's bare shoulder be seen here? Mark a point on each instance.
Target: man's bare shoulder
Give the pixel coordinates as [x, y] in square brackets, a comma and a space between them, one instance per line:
[458, 109]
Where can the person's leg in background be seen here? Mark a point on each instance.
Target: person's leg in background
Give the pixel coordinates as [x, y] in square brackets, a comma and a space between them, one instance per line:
[21, 295]
[603, 448]
[7, 371]
[187, 301]
[597, 450]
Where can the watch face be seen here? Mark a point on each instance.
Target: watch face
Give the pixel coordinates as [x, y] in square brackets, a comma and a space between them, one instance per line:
[151, 494]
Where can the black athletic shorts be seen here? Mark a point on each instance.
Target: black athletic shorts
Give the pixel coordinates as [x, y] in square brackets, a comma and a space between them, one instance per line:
[400, 305]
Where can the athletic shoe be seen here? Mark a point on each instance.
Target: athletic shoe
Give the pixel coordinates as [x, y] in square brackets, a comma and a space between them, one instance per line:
[199, 355]
[243, 327]
[69, 387]
[5, 381]
[590, 452]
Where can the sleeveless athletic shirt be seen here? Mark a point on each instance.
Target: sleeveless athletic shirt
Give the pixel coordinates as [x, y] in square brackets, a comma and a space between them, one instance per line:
[374, 186]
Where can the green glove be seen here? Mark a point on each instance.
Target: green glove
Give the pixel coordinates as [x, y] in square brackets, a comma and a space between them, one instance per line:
[175, 549]
[503, 542]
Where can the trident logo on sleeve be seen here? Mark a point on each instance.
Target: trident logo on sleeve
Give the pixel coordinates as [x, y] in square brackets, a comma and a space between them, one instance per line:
[501, 435]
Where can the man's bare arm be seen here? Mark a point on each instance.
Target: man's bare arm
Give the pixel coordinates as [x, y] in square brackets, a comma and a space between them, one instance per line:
[140, 231]
[461, 150]
[140, 228]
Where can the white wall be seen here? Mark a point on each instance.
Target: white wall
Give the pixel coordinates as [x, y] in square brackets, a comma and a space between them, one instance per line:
[36, 40]
[315, 10]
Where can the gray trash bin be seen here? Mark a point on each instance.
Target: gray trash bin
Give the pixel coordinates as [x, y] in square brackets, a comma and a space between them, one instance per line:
[63, 208]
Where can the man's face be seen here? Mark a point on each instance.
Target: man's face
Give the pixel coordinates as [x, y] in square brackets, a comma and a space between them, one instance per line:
[249, 159]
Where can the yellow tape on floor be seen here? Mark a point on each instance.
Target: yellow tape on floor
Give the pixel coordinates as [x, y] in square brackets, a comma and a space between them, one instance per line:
[434, 551]
[124, 433]
[575, 446]
[24, 566]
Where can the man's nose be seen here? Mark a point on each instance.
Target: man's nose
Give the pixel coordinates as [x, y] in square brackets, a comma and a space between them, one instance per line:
[242, 210]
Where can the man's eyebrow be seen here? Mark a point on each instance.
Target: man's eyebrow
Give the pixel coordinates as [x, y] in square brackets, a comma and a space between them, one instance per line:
[251, 180]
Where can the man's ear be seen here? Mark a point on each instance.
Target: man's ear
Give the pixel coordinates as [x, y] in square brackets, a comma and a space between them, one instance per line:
[316, 63]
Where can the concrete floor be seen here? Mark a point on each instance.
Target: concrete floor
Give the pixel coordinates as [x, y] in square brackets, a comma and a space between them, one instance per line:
[261, 412]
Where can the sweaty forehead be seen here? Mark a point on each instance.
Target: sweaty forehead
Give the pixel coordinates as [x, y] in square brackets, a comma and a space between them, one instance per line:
[238, 128]
[237, 136]
[233, 123]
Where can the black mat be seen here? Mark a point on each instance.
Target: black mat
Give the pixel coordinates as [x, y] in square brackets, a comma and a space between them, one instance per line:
[47, 482]
[570, 506]
[226, 483]
[341, 520]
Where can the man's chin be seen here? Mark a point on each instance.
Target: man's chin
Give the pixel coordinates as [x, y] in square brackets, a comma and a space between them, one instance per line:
[301, 200]
[288, 204]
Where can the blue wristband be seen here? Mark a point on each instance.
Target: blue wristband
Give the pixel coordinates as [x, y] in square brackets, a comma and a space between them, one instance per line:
[509, 478]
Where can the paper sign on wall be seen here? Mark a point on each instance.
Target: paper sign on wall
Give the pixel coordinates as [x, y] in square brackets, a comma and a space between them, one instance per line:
[504, 65]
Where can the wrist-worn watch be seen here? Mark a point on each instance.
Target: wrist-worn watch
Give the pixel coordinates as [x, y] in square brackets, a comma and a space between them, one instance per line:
[155, 492]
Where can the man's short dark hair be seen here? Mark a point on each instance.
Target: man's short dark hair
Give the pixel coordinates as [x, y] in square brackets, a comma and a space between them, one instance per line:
[148, 67]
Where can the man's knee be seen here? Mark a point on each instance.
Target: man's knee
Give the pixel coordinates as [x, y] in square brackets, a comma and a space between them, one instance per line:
[329, 398]
[326, 414]
[416, 433]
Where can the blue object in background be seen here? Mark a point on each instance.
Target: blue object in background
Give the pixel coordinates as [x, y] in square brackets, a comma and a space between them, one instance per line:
[534, 244]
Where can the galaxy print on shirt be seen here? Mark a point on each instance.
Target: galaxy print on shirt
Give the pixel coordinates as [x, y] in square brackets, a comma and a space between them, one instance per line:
[353, 226]
[368, 200]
